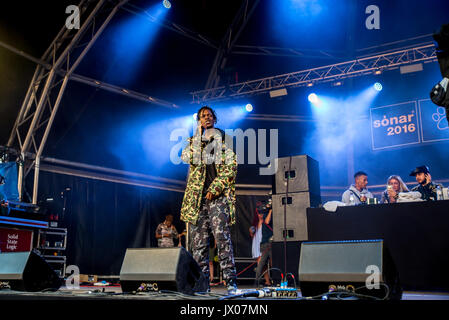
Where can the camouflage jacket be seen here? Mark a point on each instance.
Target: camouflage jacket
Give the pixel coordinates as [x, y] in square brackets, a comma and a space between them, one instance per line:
[222, 185]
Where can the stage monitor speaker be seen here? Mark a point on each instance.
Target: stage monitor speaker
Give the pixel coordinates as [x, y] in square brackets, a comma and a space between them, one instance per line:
[296, 215]
[303, 173]
[27, 271]
[162, 269]
[363, 267]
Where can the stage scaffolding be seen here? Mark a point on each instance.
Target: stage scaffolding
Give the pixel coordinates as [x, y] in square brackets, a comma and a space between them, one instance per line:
[49, 82]
[58, 63]
[374, 64]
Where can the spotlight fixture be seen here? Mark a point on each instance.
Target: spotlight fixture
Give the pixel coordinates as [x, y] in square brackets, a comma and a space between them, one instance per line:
[377, 72]
[313, 98]
[166, 4]
[337, 83]
[378, 86]
[249, 107]
[310, 84]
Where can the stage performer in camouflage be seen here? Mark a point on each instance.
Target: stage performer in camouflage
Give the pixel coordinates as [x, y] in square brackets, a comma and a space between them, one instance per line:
[209, 200]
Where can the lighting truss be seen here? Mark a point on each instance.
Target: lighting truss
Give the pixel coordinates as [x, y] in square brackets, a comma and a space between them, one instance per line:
[354, 68]
[229, 40]
[42, 100]
[287, 52]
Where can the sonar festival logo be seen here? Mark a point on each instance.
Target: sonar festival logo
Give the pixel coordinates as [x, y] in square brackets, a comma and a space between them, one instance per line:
[394, 125]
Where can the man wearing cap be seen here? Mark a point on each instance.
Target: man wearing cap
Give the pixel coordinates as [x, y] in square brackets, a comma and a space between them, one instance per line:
[425, 186]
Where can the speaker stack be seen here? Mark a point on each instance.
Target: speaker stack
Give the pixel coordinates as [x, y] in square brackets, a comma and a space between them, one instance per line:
[296, 187]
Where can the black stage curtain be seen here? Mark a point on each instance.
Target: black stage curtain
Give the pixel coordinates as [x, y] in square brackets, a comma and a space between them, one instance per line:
[104, 219]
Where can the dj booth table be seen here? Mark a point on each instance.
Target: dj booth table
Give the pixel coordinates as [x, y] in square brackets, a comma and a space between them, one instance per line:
[416, 234]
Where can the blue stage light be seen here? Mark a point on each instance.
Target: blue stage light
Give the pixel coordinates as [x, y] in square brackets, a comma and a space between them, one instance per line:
[166, 4]
[378, 86]
[249, 107]
[313, 98]
[133, 38]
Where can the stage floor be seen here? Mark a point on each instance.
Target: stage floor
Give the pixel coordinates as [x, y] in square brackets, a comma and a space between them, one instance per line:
[217, 293]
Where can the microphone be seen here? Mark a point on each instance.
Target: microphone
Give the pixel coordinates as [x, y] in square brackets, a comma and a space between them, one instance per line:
[208, 138]
[261, 293]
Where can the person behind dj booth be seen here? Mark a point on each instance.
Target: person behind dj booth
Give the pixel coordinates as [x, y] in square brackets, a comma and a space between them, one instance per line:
[265, 242]
[426, 187]
[357, 192]
[209, 199]
[395, 185]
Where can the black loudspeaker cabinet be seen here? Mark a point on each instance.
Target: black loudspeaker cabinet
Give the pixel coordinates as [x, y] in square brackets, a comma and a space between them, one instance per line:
[348, 266]
[296, 205]
[162, 269]
[303, 173]
[27, 271]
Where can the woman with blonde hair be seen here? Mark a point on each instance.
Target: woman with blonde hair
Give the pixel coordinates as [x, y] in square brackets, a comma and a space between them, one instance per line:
[395, 185]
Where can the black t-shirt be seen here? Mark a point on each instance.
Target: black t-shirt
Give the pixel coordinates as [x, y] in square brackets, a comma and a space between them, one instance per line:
[211, 173]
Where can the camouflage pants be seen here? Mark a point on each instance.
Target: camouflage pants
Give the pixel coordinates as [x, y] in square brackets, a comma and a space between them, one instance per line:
[213, 218]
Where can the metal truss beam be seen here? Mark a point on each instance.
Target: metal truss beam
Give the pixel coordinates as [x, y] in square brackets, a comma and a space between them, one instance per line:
[229, 40]
[91, 82]
[89, 171]
[279, 118]
[47, 87]
[354, 68]
[123, 91]
[132, 178]
[287, 52]
[165, 23]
